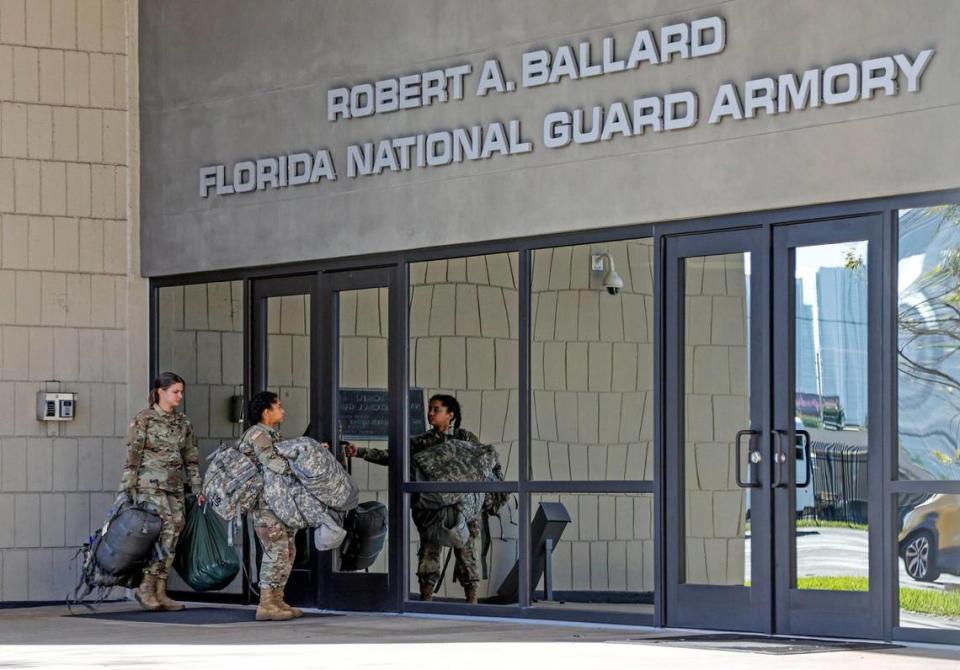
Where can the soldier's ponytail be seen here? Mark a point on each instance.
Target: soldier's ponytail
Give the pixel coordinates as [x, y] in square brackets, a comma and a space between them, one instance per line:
[163, 381]
[452, 405]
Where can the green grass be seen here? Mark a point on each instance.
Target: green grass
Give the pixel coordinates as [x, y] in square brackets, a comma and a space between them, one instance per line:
[833, 583]
[921, 601]
[821, 523]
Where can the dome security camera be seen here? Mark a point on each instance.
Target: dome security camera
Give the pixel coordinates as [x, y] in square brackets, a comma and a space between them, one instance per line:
[611, 280]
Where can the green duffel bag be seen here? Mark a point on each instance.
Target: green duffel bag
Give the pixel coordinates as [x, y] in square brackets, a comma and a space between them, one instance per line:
[204, 558]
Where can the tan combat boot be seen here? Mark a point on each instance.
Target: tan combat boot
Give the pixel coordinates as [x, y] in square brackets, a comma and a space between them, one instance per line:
[426, 592]
[269, 608]
[146, 594]
[297, 612]
[470, 593]
[167, 603]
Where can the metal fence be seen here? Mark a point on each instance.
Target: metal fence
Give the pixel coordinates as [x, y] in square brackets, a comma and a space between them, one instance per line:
[840, 481]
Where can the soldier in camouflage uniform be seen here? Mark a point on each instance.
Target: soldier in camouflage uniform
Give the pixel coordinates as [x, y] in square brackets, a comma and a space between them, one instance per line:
[162, 457]
[444, 417]
[276, 538]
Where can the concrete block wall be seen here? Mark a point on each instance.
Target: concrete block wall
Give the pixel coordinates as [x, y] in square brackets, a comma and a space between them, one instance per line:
[717, 406]
[71, 299]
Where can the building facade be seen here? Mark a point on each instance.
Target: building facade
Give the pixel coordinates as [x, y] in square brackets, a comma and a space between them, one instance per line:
[689, 267]
[74, 305]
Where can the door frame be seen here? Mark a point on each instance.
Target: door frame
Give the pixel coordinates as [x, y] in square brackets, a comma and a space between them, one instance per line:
[809, 612]
[702, 605]
[360, 591]
[789, 611]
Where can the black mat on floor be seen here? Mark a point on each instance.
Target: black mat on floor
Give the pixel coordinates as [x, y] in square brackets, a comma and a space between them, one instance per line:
[760, 644]
[192, 616]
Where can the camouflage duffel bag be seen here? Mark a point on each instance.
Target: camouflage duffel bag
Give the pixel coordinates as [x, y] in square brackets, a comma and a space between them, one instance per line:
[320, 473]
[291, 502]
[232, 482]
[456, 461]
[442, 518]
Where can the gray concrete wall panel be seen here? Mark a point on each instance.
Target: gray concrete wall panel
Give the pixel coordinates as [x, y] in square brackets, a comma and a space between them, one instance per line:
[232, 81]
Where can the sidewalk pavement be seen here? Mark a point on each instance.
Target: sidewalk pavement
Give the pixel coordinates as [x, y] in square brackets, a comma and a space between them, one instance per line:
[45, 637]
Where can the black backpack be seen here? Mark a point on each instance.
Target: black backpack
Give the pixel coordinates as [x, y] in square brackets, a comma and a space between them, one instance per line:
[366, 527]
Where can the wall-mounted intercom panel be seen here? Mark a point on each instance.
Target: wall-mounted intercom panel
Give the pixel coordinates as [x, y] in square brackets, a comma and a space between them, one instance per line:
[56, 406]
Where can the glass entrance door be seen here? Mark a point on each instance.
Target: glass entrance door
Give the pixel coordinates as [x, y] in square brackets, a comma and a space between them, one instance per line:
[828, 455]
[282, 362]
[717, 431]
[357, 372]
[774, 453]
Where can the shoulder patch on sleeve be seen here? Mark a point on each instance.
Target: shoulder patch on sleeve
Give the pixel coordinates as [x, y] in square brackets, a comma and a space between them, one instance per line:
[259, 437]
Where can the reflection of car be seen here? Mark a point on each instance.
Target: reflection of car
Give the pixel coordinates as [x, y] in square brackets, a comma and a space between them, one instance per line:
[930, 538]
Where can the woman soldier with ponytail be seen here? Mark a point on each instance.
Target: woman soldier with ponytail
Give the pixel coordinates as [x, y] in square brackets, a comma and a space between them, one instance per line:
[162, 458]
[444, 417]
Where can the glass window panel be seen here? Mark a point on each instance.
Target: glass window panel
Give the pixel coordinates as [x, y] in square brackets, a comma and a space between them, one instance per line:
[602, 559]
[716, 407]
[831, 361]
[464, 327]
[200, 337]
[447, 570]
[928, 355]
[592, 362]
[929, 565]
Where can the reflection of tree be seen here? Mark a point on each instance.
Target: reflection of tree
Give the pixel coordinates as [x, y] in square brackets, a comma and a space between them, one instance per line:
[851, 261]
[929, 323]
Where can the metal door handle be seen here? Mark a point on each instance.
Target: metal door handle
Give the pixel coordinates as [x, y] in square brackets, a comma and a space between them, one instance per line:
[755, 457]
[805, 436]
[779, 458]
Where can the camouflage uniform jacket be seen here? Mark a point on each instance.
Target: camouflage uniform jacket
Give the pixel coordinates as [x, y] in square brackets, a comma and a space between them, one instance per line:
[160, 447]
[257, 443]
[419, 443]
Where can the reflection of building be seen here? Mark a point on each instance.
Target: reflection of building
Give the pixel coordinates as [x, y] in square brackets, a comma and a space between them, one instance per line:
[842, 304]
[805, 356]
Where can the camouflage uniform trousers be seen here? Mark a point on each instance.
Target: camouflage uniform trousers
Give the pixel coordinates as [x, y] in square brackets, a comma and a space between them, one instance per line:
[279, 549]
[170, 508]
[466, 561]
